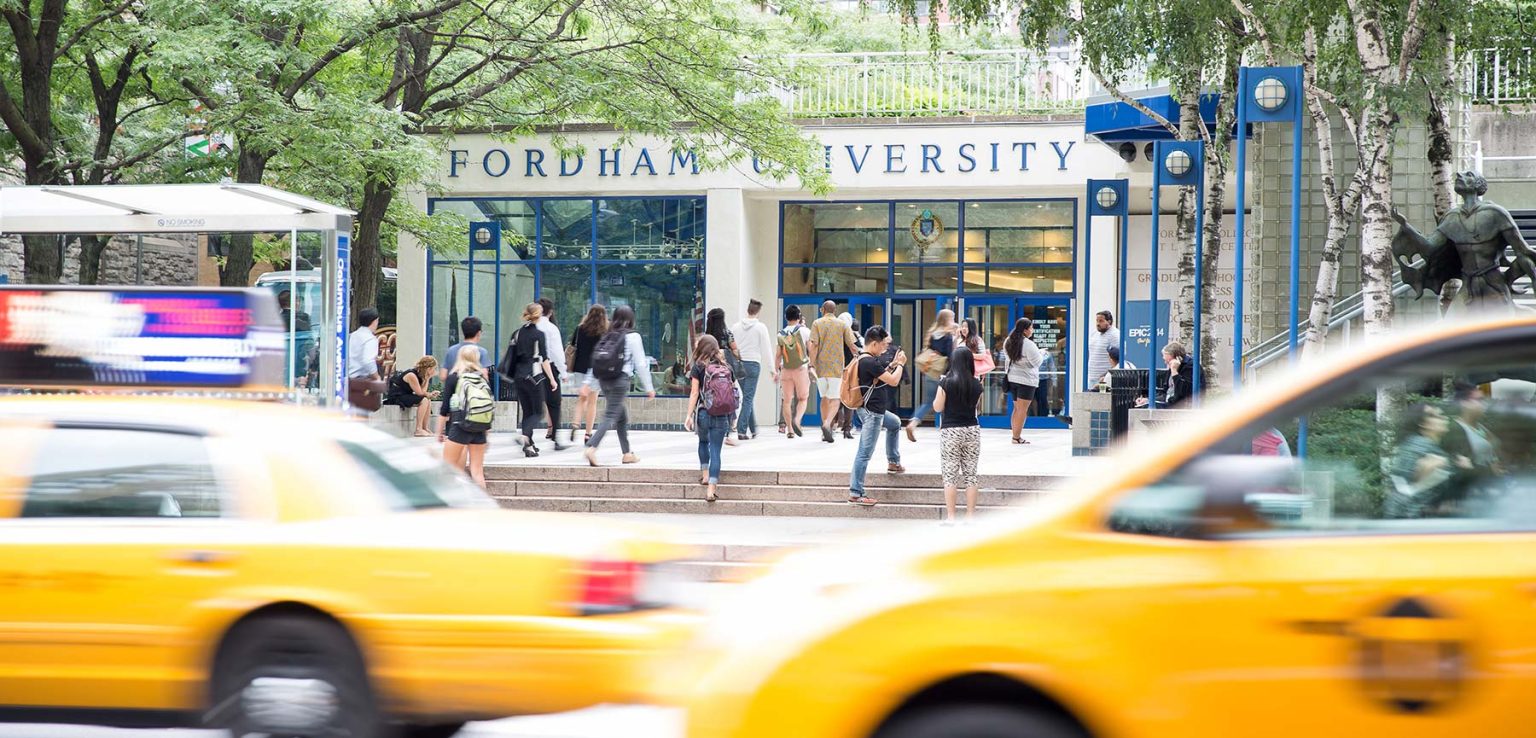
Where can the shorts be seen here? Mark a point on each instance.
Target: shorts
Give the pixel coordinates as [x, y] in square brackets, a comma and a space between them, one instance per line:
[1021, 392]
[959, 453]
[411, 400]
[829, 387]
[575, 381]
[463, 437]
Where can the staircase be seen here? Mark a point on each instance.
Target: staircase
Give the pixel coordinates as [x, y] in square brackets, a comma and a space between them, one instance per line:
[777, 493]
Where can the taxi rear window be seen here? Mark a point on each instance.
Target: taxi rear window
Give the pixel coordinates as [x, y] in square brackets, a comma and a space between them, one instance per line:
[107, 472]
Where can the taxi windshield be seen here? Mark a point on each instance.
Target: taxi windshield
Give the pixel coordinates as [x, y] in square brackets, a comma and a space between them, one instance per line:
[410, 478]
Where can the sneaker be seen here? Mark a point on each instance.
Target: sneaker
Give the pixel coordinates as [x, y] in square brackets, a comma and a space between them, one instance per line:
[895, 468]
[742, 437]
[862, 501]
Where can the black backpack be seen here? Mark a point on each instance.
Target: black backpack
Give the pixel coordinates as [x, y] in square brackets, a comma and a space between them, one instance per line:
[608, 357]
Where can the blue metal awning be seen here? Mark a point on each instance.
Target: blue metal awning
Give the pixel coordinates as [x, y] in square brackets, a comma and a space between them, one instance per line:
[1116, 121]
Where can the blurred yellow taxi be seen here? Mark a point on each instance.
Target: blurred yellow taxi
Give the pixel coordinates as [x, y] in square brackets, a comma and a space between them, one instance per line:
[277, 571]
[1204, 582]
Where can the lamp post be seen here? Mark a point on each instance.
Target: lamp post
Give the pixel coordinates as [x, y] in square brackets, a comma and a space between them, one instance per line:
[1105, 197]
[1179, 163]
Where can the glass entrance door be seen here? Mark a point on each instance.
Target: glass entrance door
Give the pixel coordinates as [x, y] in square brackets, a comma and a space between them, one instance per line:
[866, 311]
[995, 317]
[910, 319]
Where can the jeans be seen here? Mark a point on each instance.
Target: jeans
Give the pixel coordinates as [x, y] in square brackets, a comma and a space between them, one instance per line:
[870, 433]
[750, 371]
[712, 430]
[615, 414]
[930, 391]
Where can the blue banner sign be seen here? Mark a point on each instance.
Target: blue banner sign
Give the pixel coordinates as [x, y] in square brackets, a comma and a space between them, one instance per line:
[1139, 346]
[68, 337]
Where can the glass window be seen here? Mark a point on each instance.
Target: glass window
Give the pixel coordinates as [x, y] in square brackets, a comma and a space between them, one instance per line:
[449, 305]
[566, 229]
[516, 218]
[409, 478]
[1020, 278]
[660, 228]
[928, 232]
[819, 279]
[516, 292]
[666, 299]
[926, 279]
[570, 287]
[1034, 232]
[118, 473]
[1444, 445]
[836, 233]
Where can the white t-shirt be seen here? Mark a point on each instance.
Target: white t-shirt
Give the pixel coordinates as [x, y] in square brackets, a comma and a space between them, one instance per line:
[362, 353]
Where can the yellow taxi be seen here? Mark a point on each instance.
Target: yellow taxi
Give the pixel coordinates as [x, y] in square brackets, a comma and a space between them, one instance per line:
[277, 571]
[1207, 581]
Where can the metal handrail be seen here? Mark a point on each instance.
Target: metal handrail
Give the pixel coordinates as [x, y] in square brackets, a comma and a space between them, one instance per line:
[1342, 314]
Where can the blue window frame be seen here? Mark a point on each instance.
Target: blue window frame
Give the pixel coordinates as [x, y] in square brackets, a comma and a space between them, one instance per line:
[640, 251]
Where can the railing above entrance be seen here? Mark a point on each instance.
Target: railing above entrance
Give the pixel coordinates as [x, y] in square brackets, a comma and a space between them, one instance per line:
[919, 83]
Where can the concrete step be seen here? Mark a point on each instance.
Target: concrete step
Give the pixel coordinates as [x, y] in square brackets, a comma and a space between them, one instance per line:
[839, 508]
[723, 571]
[749, 492]
[632, 474]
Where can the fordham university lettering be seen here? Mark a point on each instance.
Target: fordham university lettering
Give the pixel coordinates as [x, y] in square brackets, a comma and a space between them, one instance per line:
[916, 159]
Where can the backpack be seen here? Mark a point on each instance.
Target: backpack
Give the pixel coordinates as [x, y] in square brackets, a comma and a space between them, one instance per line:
[719, 390]
[608, 357]
[850, 394]
[793, 346]
[475, 407]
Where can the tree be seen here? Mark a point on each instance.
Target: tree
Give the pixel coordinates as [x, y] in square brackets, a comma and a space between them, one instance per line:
[64, 54]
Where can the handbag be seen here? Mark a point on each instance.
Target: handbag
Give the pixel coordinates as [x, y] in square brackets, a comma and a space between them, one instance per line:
[366, 394]
[984, 364]
[931, 363]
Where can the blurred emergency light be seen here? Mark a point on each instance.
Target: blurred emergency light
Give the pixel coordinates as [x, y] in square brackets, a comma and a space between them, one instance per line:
[126, 337]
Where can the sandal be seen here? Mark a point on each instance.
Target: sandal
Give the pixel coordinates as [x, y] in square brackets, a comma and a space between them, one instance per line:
[711, 496]
[1019, 440]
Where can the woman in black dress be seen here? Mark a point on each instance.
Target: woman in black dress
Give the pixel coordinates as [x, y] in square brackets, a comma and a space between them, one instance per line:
[592, 327]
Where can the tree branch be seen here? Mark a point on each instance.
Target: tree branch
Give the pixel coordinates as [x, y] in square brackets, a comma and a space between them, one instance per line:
[16, 121]
[1137, 105]
[1266, 41]
[80, 33]
[383, 24]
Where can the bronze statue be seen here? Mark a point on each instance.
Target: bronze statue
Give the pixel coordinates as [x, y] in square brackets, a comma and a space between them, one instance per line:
[1468, 246]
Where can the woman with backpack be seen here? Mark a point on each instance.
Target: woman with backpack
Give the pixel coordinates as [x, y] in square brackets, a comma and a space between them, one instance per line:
[408, 389]
[529, 372]
[714, 326]
[617, 359]
[958, 396]
[1024, 359]
[711, 403]
[465, 389]
[933, 363]
[592, 328]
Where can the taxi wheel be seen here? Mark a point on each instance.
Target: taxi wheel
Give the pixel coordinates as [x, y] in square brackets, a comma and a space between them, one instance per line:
[978, 721]
[293, 675]
[445, 730]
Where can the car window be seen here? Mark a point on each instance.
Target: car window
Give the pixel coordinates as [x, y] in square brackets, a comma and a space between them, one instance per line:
[1443, 444]
[410, 478]
[82, 472]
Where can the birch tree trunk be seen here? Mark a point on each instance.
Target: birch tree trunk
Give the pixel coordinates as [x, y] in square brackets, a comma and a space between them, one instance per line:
[1339, 207]
[1442, 144]
[1216, 165]
[1376, 224]
[1182, 320]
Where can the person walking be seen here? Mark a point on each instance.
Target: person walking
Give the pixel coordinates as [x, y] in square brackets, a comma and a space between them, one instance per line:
[617, 359]
[467, 378]
[933, 363]
[1024, 359]
[363, 346]
[529, 369]
[829, 337]
[711, 402]
[554, 351]
[592, 327]
[876, 377]
[793, 362]
[408, 389]
[471, 329]
[1104, 337]
[755, 346]
[714, 326]
[844, 418]
[958, 396]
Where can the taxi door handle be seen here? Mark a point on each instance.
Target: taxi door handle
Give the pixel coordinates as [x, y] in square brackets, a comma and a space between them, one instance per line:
[202, 557]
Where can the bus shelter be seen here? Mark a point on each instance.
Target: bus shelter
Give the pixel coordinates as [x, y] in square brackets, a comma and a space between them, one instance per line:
[208, 209]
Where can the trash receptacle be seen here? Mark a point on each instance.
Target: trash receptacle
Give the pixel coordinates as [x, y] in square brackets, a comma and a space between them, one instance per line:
[1125, 386]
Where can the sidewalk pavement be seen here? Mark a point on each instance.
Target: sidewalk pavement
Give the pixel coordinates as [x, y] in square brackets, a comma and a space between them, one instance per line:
[1048, 453]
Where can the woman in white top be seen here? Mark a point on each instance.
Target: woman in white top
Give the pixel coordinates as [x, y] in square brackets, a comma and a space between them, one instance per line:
[1024, 359]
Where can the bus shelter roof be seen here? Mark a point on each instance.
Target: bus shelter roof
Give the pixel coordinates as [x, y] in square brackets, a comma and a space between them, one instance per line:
[164, 208]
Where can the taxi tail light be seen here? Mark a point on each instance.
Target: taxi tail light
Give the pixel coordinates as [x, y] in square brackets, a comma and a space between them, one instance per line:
[609, 587]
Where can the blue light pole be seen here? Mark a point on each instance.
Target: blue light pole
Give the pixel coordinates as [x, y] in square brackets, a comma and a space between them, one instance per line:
[1177, 163]
[1267, 95]
[1105, 197]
